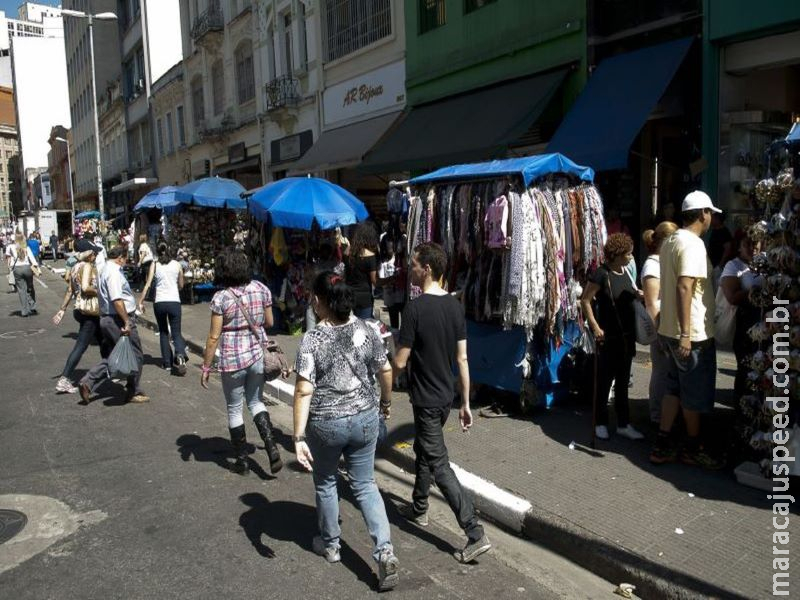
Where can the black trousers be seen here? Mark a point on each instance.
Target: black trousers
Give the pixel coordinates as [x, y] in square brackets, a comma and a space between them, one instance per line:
[433, 464]
[614, 358]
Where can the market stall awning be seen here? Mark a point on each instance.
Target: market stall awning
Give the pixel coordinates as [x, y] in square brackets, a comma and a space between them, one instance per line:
[213, 192]
[132, 184]
[344, 146]
[474, 126]
[614, 106]
[530, 167]
[162, 198]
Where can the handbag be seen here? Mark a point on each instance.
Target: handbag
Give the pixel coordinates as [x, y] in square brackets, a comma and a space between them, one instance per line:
[724, 321]
[275, 363]
[84, 303]
[646, 332]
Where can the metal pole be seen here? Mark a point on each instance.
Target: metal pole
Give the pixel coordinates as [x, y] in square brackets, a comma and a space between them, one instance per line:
[71, 192]
[100, 204]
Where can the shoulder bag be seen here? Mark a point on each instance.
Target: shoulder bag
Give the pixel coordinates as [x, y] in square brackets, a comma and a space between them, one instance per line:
[646, 330]
[275, 363]
[86, 302]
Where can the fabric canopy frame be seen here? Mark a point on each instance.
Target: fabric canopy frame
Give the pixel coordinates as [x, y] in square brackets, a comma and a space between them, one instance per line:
[529, 168]
[163, 198]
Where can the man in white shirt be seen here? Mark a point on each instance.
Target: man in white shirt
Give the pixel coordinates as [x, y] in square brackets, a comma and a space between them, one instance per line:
[686, 333]
[117, 318]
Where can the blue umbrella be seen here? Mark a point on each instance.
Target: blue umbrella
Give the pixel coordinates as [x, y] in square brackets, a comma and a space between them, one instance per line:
[296, 202]
[88, 214]
[162, 198]
[212, 192]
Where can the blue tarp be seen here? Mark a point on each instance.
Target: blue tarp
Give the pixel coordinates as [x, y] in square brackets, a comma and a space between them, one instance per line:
[530, 167]
[493, 354]
[606, 118]
[88, 214]
[162, 198]
[213, 192]
[794, 133]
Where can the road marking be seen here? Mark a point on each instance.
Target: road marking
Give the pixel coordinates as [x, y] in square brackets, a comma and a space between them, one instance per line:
[13, 335]
[44, 285]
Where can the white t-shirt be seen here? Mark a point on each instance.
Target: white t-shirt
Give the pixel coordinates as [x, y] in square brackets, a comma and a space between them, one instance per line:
[166, 281]
[684, 254]
[652, 268]
[145, 254]
[736, 267]
[21, 259]
[385, 270]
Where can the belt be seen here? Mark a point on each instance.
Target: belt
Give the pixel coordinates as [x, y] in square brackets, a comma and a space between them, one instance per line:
[112, 315]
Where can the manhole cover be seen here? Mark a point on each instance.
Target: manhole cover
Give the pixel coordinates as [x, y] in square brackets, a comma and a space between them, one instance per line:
[11, 523]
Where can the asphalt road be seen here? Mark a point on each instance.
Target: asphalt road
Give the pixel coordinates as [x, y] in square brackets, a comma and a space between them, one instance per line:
[136, 501]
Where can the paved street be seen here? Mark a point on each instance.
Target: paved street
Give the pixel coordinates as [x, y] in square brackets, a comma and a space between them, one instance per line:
[157, 513]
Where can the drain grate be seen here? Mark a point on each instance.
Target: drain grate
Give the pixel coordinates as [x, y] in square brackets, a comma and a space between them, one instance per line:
[11, 523]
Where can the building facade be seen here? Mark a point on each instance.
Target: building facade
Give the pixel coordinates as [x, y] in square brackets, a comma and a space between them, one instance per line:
[33, 20]
[10, 186]
[58, 167]
[168, 103]
[751, 95]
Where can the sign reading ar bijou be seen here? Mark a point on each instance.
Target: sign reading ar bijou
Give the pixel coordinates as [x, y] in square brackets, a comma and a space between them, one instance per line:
[375, 91]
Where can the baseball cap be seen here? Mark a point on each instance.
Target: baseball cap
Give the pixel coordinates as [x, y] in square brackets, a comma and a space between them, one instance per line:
[82, 245]
[696, 200]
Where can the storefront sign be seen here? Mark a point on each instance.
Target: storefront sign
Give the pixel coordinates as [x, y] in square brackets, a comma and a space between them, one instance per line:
[237, 153]
[377, 90]
[291, 147]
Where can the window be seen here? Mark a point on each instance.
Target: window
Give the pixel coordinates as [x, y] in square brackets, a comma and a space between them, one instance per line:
[181, 126]
[245, 78]
[287, 44]
[353, 24]
[170, 134]
[218, 87]
[470, 5]
[303, 37]
[432, 14]
[146, 149]
[198, 107]
[160, 133]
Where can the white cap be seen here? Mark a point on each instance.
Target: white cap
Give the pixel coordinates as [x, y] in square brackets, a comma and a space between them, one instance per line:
[696, 200]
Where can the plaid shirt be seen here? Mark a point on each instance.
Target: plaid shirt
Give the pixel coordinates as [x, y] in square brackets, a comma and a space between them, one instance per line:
[238, 347]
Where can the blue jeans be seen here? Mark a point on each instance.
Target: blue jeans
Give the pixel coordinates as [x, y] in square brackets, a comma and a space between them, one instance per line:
[368, 312]
[169, 312]
[355, 437]
[244, 385]
[89, 330]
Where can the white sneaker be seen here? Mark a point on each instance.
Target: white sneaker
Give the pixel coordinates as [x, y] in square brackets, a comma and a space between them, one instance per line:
[630, 433]
[64, 386]
[601, 432]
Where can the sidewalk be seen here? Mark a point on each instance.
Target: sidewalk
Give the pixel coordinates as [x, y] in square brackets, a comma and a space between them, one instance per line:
[608, 510]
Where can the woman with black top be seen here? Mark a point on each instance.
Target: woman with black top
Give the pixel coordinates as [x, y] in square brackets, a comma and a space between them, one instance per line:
[613, 323]
[361, 269]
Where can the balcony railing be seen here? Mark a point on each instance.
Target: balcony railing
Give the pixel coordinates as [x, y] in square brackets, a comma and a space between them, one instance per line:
[282, 92]
[210, 20]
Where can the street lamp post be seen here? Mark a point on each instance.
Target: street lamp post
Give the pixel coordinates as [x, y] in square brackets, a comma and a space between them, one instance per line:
[69, 177]
[106, 16]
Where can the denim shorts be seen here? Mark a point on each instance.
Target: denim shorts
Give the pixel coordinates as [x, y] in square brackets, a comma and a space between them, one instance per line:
[694, 379]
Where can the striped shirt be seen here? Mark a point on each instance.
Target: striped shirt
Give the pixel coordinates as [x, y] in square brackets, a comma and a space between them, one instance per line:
[238, 347]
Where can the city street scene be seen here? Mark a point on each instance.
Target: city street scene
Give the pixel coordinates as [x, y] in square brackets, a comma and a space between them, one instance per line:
[428, 299]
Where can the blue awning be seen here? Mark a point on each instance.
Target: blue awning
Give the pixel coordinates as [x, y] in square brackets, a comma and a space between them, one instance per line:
[530, 167]
[606, 118]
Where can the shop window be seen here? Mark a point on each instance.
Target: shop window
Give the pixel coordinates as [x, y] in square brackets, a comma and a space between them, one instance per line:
[198, 106]
[245, 78]
[471, 5]
[218, 87]
[353, 24]
[287, 45]
[432, 14]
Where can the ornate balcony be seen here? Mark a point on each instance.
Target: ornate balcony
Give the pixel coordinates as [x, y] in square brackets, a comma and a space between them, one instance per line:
[282, 92]
[211, 21]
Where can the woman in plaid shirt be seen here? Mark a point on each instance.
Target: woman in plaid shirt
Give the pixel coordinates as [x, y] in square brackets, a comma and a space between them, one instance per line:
[241, 362]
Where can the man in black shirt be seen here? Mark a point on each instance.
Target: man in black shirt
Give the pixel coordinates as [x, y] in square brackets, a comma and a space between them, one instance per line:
[433, 335]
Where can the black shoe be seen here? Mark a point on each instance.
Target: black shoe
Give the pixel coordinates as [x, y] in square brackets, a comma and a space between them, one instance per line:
[180, 366]
[474, 549]
[239, 442]
[407, 512]
[264, 426]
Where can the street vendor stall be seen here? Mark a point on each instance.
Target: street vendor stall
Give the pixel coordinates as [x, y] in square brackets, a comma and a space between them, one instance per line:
[521, 235]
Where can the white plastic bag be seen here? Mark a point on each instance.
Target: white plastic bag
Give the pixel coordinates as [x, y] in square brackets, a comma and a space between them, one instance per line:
[122, 361]
[724, 321]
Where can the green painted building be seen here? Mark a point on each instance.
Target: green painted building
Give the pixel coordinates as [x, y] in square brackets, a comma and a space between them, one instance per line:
[751, 81]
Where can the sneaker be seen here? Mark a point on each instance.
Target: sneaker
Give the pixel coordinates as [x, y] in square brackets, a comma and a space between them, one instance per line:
[388, 567]
[139, 399]
[474, 549]
[86, 394]
[601, 432]
[180, 366]
[701, 458]
[630, 433]
[407, 512]
[661, 455]
[64, 386]
[329, 553]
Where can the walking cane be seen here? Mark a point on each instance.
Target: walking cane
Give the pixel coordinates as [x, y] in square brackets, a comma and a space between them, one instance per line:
[594, 399]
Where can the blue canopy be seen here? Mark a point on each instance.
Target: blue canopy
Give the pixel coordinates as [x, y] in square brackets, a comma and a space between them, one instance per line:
[162, 198]
[794, 133]
[530, 167]
[212, 192]
[88, 214]
[606, 118]
[296, 202]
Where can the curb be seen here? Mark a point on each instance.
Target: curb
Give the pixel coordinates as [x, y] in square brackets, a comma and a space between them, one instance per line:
[608, 560]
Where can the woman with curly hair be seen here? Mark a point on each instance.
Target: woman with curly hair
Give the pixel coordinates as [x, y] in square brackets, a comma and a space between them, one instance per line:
[361, 269]
[241, 363]
[613, 322]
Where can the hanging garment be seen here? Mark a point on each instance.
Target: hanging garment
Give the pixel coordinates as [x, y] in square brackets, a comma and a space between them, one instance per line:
[495, 224]
[277, 247]
[395, 201]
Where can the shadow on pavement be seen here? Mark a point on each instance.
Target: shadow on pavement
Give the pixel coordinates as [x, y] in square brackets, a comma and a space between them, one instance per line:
[217, 450]
[393, 502]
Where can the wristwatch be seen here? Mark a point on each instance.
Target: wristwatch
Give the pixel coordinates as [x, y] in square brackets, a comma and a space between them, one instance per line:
[299, 438]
